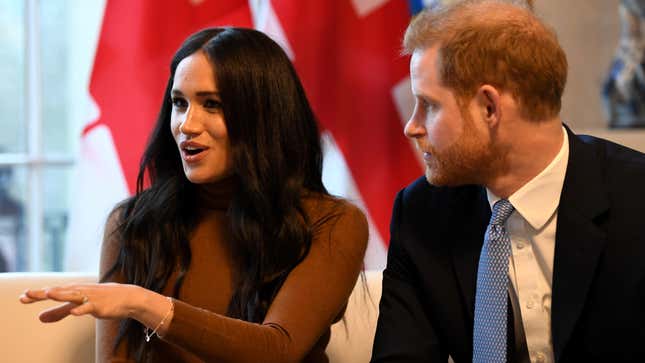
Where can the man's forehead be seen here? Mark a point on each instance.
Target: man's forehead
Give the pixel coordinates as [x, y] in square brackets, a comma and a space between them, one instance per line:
[423, 65]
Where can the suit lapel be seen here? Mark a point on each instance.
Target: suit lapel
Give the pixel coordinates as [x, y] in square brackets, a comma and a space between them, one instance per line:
[579, 240]
[473, 214]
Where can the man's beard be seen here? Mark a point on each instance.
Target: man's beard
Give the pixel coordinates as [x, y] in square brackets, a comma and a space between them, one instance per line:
[469, 160]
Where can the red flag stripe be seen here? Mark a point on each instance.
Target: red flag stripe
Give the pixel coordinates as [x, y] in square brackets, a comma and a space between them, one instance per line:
[349, 65]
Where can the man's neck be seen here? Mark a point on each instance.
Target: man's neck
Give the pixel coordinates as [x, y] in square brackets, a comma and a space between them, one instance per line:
[532, 147]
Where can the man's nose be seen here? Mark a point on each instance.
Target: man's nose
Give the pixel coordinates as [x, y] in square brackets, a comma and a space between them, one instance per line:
[413, 129]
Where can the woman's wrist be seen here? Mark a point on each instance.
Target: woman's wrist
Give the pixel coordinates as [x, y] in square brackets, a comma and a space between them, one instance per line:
[138, 302]
[164, 324]
[151, 309]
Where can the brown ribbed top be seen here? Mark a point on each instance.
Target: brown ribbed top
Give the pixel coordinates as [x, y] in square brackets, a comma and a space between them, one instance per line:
[297, 325]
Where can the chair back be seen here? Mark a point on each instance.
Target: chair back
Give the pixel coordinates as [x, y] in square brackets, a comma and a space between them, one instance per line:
[351, 340]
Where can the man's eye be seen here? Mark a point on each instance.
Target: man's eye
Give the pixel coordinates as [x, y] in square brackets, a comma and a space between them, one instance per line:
[179, 102]
[431, 106]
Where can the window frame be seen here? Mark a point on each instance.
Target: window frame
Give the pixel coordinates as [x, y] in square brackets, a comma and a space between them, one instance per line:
[34, 159]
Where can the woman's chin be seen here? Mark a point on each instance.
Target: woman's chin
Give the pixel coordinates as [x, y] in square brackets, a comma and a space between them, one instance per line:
[196, 178]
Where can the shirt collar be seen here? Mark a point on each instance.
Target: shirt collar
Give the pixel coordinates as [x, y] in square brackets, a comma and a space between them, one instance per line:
[537, 200]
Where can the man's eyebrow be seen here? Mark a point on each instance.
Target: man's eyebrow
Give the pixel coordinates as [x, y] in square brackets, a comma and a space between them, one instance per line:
[425, 98]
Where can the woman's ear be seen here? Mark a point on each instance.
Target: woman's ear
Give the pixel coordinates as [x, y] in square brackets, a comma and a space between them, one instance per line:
[488, 100]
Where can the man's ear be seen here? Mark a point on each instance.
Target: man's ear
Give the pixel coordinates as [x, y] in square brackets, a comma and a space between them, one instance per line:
[488, 100]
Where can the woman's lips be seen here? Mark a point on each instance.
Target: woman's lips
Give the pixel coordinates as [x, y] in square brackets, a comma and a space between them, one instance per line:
[192, 151]
[193, 158]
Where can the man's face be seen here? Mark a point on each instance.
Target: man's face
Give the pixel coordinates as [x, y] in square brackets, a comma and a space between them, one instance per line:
[453, 139]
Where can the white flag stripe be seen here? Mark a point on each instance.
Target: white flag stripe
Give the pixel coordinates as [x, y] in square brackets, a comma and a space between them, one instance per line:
[100, 184]
[404, 101]
[267, 21]
[365, 7]
[339, 181]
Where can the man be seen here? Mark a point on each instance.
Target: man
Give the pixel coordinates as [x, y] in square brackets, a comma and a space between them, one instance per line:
[561, 276]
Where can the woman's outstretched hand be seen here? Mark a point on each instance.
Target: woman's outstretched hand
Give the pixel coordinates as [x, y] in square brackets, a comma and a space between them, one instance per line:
[103, 301]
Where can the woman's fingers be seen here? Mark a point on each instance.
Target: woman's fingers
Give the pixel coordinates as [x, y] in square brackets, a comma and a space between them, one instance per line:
[30, 296]
[75, 301]
[85, 308]
[26, 299]
[56, 313]
[103, 301]
[64, 294]
[59, 293]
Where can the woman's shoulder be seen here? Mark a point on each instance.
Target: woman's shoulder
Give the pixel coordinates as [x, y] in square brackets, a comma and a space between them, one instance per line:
[327, 211]
[318, 205]
[117, 216]
[339, 229]
[112, 242]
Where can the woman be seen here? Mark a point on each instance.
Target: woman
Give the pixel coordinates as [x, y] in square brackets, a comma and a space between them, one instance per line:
[235, 252]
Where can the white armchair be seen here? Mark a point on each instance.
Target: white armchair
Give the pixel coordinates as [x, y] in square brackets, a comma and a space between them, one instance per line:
[351, 340]
[24, 339]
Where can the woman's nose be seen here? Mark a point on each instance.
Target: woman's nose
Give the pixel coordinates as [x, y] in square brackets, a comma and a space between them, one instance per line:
[190, 125]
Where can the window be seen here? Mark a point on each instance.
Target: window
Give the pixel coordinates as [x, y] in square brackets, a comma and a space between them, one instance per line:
[47, 49]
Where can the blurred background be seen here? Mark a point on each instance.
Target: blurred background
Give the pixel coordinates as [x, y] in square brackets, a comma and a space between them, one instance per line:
[55, 186]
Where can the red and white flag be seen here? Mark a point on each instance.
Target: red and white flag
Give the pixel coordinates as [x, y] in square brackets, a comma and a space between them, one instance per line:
[346, 53]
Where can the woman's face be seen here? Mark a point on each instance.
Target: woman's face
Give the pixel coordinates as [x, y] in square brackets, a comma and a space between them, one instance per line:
[197, 121]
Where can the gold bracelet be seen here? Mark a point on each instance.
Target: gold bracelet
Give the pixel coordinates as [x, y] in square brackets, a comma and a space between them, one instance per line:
[146, 330]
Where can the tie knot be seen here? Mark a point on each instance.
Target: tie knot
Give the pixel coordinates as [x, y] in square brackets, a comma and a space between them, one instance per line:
[502, 209]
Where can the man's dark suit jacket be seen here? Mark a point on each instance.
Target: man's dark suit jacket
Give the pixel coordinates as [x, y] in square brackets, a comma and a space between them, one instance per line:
[598, 290]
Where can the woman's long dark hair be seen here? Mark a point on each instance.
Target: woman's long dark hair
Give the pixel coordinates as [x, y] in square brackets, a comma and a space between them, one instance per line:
[277, 157]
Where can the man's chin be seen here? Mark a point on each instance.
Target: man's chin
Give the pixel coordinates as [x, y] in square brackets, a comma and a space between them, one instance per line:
[441, 179]
[434, 178]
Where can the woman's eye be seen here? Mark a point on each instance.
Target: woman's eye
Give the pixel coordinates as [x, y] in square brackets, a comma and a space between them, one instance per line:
[213, 105]
[179, 102]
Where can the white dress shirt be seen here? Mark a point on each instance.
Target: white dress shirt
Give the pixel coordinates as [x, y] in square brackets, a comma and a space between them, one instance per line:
[532, 228]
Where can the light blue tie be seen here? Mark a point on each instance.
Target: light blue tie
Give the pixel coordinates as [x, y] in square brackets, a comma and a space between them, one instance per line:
[491, 297]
